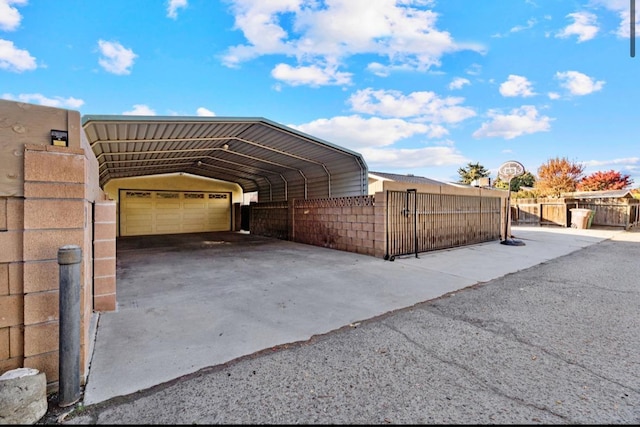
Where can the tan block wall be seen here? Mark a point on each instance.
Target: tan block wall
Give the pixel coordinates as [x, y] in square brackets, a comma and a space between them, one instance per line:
[346, 223]
[104, 247]
[46, 201]
[11, 287]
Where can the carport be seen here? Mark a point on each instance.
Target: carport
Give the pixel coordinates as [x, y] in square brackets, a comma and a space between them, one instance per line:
[276, 161]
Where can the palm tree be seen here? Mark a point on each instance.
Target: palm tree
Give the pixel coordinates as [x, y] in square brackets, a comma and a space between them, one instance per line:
[472, 172]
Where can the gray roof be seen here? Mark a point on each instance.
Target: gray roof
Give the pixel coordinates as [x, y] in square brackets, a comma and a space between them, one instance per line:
[412, 179]
[615, 194]
[278, 162]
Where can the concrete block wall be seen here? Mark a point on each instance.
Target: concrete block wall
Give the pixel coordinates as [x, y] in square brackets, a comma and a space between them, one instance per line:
[51, 222]
[271, 219]
[345, 223]
[11, 284]
[104, 256]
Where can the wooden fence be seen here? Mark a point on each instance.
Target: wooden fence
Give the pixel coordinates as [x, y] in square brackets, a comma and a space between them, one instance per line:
[608, 212]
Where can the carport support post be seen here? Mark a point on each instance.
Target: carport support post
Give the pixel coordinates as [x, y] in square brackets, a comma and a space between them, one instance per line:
[69, 259]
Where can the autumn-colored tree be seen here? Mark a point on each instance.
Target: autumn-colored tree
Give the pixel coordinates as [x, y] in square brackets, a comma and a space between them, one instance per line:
[557, 176]
[471, 172]
[525, 180]
[610, 180]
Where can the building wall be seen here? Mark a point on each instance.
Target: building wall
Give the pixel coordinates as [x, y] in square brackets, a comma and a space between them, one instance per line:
[48, 196]
[175, 182]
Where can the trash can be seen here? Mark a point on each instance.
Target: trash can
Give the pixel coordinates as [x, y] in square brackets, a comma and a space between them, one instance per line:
[580, 218]
[591, 216]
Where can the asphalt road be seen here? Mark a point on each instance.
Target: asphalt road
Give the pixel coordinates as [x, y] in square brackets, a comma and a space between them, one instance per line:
[557, 343]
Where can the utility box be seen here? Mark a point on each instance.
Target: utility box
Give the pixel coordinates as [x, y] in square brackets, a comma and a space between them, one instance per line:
[580, 218]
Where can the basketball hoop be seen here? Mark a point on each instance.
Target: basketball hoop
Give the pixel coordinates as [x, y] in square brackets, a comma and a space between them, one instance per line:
[507, 171]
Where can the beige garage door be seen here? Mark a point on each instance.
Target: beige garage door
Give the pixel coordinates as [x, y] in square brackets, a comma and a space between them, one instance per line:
[173, 212]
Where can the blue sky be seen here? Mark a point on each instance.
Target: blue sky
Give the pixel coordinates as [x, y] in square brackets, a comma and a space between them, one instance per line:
[417, 87]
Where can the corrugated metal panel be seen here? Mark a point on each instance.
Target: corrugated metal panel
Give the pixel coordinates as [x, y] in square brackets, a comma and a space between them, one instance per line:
[277, 162]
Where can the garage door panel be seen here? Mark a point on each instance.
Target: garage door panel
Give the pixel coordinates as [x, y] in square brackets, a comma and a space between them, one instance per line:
[159, 212]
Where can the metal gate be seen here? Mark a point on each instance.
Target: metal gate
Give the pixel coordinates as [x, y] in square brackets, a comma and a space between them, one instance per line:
[421, 222]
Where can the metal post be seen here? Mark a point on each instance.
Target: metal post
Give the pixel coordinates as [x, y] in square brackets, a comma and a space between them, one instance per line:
[69, 259]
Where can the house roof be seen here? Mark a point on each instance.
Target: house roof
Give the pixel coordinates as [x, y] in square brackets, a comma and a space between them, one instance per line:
[412, 179]
[259, 155]
[614, 194]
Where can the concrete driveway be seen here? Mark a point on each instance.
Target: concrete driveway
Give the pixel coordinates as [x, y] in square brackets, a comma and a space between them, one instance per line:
[186, 302]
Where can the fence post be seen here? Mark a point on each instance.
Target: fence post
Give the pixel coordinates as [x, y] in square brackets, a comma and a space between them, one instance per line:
[69, 259]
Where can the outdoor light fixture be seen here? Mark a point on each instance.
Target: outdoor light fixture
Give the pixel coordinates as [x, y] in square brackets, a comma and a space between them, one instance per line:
[225, 146]
[59, 138]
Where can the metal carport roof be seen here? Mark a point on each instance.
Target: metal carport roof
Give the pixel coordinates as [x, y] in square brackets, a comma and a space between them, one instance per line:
[278, 162]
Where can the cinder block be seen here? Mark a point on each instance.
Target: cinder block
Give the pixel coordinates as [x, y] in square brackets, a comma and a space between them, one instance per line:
[104, 231]
[104, 267]
[15, 278]
[15, 214]
[41, 307]
[11, 310]
[16, 341]
[4, 279]
[41, 276]
[45, 362]
[10, 364]
[44, 244]
[40, 338]
[104, 302]
[4, 343]
[11, 244]
[104, 248]
[105, 211]
[104, 285]
[3, 213]
[44, 214]
[53, 190]
[49, 166]
[64, 150]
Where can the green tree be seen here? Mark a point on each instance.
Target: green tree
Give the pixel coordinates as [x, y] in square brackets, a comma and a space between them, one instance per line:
[557, 176]
[527, 179]
[471, 172]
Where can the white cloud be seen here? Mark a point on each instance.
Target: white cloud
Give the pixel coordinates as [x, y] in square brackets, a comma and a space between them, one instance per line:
[516, 86]
[377, 158]
[314, 32]
[9, 16]
[422, 105]
[355, 132]
[173, 6]
[578, 83]
[14, 59]
[474, 69]
[116, 58]
[36, 98]
[530, 23]
[204, 112]
[519, 121]
[584, 26]
[140, 110]
[614, 162]
[310, 75]
[621, 7]
[553, 95]
[458, 83]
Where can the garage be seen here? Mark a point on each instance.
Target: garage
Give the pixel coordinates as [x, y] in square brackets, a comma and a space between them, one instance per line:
[173, 212]
[172, 175]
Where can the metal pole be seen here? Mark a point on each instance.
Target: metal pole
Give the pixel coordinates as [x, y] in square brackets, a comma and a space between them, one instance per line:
[69, 259]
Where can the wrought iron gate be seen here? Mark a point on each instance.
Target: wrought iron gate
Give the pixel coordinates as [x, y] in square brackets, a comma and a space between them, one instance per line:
[421, 222]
